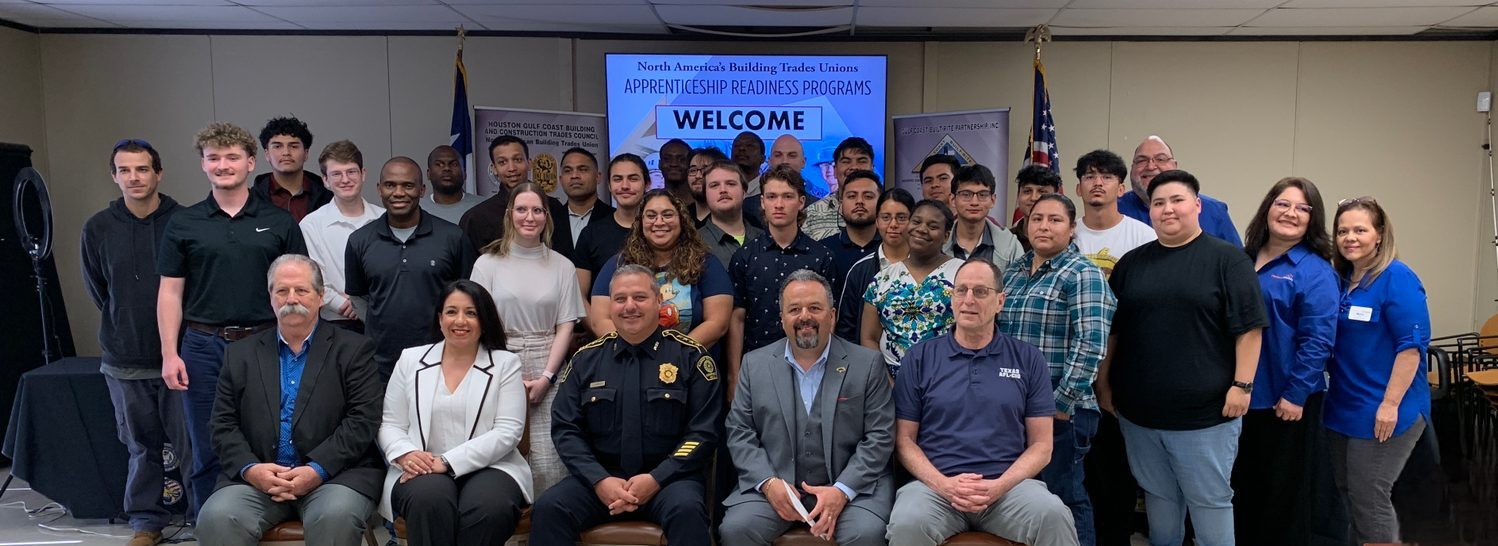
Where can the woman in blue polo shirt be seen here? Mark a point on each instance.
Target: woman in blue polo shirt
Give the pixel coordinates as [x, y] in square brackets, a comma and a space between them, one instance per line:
[1282, 468]
[1376, 406]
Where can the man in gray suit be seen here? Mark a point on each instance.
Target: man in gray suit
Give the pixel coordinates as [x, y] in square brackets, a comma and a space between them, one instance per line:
[822, 424]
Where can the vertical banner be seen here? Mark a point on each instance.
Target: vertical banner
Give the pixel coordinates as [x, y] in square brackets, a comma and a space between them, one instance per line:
[977, 136]
[548, 134]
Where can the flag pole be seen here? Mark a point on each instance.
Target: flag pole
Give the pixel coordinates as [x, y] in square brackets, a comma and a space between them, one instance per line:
[1039, 35]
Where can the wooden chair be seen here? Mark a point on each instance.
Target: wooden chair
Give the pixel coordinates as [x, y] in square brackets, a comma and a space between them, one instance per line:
[289, 533]
[801, 536]
[624, 533]
[974, 538]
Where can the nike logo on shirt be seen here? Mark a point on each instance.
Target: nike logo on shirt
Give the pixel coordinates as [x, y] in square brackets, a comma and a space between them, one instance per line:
[260, 229]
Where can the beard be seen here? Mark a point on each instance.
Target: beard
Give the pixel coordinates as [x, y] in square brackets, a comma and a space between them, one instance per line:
[808, 341]
[859, 222]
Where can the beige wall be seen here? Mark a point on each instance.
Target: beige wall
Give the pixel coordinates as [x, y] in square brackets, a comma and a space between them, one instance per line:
[24, 120]
[1390, 119]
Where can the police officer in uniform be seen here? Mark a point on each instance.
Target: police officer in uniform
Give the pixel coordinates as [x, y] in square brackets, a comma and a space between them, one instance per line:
[637, 416]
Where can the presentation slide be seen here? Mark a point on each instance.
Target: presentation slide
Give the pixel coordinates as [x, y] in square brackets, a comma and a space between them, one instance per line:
[707, 100]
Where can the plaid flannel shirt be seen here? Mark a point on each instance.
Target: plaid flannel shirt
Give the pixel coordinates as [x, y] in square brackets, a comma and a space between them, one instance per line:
[1065, 309]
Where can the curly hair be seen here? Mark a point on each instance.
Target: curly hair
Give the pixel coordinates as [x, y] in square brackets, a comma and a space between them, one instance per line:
[289, 126]
[222, 134]
[689, 254]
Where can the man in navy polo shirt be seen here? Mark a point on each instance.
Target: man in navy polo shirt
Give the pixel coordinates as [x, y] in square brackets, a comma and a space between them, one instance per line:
[973, 412]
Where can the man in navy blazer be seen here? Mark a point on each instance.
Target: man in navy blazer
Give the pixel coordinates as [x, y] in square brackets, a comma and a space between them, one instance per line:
[811, 412]
[315, 460]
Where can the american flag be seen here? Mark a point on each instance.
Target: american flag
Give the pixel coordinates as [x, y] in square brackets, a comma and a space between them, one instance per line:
[1042, 147]
[461, 133]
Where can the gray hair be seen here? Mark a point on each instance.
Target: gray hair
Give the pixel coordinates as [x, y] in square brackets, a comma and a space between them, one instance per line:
[807, 275]
[270, 274]
[635, 269]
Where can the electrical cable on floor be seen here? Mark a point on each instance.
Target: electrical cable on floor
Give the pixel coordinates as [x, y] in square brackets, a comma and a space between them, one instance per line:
[57, 511]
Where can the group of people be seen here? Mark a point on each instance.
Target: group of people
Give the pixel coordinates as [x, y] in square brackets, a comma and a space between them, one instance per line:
[878, 368]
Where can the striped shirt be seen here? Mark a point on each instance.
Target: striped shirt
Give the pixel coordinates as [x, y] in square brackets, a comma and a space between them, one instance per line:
[1065, 309]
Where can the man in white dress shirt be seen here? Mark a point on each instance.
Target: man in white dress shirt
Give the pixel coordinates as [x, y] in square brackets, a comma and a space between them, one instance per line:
[327, 230]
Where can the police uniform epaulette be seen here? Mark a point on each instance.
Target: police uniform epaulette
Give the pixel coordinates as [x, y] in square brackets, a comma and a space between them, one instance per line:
[595, 343]
[683, 339]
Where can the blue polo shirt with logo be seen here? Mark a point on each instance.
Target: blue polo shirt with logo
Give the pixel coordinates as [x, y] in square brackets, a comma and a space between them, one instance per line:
[971, 405]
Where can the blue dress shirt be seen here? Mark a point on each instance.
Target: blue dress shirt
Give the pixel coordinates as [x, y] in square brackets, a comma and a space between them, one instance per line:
[292, 365]
[1375, 322]
[1215, 220]
[1301, 298]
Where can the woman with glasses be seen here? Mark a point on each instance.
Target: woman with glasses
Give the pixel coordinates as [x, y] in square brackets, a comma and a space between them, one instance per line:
[1281, 472]
[535, 290]
[1378, 403]
[911, 300]
[1057, 300]
[696, 293]
[892, 216]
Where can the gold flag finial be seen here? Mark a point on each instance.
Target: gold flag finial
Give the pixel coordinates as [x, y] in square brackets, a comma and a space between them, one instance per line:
[1040, 35]
[462, 34]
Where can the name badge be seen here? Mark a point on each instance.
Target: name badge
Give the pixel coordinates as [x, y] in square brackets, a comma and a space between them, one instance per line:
[597, 384]
[1360, 314]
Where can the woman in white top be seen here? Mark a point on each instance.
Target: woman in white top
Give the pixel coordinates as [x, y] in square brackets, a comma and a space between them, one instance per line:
[536, 292]
[454, 415]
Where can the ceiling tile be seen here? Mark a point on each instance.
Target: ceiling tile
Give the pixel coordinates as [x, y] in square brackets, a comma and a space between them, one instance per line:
[1326, 31]
[1379, 3]
[952, 17]
[748, 16]
[1174, 4]
[1140, 31]
[533, 2]
[557, 17]
[1480, 17]
[1162, 18]
[195, 17]
[1356, 17]
[781, 3]
[993, 4]
[328, 3]
[370, 17]
[43, 16]
[66, 3]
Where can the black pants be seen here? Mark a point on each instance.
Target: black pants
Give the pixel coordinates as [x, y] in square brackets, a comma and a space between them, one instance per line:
[1282, 481]
[571, 507]
[477, 509]
[1110, 484]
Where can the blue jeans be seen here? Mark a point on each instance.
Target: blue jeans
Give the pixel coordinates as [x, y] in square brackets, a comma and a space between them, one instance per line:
[204, 355]
[1183, 470]
[148, 417]
[1063, 476]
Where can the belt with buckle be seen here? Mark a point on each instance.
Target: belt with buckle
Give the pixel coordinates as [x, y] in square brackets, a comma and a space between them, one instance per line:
[229, 333]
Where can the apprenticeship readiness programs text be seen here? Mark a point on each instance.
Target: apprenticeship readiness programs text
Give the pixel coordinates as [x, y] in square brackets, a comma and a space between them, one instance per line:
[749, 85]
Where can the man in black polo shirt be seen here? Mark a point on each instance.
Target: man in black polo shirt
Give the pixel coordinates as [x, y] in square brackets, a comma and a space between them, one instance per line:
[859, 201]
[288, 184]
[225, 245]
[601, 240]
[510, 164]
[400, 262]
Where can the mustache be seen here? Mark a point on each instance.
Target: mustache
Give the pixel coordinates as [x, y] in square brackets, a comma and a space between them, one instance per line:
[292, 309]
[807, 341]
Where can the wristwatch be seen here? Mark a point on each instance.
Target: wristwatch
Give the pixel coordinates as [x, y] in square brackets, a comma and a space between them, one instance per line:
[450, 473]
[1247, 387]
[550, 377]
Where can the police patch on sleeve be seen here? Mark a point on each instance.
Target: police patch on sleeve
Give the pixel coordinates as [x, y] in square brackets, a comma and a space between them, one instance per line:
[706, 367]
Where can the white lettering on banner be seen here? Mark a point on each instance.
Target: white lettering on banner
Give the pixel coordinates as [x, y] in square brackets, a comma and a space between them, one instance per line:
[726, 122]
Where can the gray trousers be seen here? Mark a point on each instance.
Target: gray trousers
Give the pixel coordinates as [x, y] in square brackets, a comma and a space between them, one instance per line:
[1029, 514]
[237, 515]
[147, 416]
[1365, 471]
[755, 523]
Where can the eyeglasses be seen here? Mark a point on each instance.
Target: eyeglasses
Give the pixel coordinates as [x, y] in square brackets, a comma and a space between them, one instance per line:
[1282, 204]
[1158, 160]
[132, 141]
[980, 292]
[968, 195]
[894, 218]
[696, 170]
[1364, 200]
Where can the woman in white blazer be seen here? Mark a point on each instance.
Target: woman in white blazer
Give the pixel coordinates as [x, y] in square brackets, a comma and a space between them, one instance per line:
[453, 420]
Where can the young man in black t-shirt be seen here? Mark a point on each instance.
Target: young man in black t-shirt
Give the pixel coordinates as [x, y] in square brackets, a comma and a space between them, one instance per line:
[602, 239]
[1180, 365]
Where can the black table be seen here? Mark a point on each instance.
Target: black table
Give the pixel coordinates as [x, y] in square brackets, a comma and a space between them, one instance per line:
[63, 440]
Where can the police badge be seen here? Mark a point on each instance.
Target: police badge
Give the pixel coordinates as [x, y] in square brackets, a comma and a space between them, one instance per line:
[668, 373]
